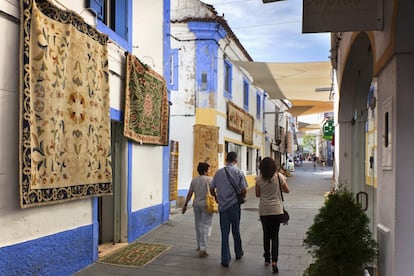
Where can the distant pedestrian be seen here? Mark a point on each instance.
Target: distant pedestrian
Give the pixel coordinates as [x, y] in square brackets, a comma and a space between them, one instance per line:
[199, 186]
[229, 206]
[269, 185]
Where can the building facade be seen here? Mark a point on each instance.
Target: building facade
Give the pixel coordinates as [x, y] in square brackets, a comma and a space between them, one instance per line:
[136, 199]
[373, 133]
[216, 108]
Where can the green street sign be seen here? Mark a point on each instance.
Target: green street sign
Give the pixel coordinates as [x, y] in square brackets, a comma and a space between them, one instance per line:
[328, 130]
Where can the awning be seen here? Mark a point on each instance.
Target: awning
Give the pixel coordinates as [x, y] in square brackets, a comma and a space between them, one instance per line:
[304, 127]
[305, 84]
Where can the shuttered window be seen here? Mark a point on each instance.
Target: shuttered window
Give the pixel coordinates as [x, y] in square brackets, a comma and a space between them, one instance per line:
[114, 18]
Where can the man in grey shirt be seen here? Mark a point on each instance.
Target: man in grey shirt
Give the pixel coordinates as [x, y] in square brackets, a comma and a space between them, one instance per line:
[225, 186]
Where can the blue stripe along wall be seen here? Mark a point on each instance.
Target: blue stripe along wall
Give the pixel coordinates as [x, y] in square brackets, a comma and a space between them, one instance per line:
[63, 253]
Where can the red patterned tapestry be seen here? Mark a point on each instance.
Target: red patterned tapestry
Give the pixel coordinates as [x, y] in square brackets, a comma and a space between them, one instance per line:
[65, 142]
[146, 104]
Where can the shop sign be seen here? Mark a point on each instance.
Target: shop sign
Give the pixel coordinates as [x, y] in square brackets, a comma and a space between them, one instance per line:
[328, 130]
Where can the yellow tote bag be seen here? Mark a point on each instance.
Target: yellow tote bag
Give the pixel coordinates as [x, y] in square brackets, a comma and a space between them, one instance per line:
[211, 203]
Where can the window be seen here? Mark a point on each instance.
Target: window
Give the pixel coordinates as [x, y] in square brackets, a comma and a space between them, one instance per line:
[173, 70]
[114, 17]
[249, 161]
[245, 95]
[227, 79]
[258, 105]
[229, 146]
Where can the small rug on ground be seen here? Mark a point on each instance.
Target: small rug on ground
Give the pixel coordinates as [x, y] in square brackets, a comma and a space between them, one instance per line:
[135, 254]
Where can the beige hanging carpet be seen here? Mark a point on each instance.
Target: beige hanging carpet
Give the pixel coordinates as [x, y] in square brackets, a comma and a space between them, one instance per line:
[64, 107]
[136, 254]
[146, 104]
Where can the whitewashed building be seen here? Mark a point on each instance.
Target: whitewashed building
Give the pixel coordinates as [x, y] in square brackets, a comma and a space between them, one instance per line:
[216, 108]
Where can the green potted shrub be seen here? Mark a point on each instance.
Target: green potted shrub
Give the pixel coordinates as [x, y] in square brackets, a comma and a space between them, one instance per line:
[339, 239]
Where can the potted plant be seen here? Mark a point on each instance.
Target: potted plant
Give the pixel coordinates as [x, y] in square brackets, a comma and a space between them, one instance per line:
[339, 239]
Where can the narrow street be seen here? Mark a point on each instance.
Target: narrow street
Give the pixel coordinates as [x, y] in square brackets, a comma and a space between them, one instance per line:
[307, 184]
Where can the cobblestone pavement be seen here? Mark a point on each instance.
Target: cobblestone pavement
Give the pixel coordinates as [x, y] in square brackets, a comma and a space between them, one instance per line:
[307, 184]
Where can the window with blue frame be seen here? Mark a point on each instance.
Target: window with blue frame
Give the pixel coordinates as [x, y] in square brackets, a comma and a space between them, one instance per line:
[173, 70]
[258, 104]
[227, 79]
[114, 17]
[245, 95]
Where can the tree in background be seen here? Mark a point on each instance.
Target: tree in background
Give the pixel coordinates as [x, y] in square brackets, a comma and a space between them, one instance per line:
[309, 142]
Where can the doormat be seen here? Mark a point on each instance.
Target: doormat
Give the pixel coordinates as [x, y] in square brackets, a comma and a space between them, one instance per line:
[135, 254]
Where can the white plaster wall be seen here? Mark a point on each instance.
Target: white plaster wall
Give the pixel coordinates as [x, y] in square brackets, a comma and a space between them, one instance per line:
[184, 100]
[146, 186]
[116, 59]
[387, 87]
[404, 188]
[182, 116]
[148, 40]
[147, 160]
[180, 8]
[183, 132]
[16, 224]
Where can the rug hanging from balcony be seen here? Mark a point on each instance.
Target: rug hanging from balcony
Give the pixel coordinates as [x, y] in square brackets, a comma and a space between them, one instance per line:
[64, 128]
[136, 254]
[146, 104]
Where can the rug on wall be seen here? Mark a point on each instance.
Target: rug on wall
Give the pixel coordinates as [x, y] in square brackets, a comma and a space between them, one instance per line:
[146, 104]
[65, 142]
[136, 254]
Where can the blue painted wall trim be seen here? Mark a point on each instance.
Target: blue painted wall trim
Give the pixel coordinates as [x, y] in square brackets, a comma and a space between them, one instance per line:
[95, 229]
[145, 220]
[207, 30]
[228, 91]
[63, 253]
[116, 115]
[208, 35]
[166, 150]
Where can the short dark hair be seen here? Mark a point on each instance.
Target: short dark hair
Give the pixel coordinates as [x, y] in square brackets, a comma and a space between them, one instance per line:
[202, 167]
[267, 168]
[231, 157]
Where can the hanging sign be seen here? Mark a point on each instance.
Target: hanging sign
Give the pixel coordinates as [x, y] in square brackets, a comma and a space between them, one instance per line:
[328, 130]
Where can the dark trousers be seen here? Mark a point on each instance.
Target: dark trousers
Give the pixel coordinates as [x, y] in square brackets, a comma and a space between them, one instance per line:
[270, 225]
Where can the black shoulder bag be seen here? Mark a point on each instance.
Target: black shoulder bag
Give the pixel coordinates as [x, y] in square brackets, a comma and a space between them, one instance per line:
[240, 196]
[284, 218]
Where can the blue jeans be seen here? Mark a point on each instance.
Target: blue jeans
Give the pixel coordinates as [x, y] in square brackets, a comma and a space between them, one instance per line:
[230, 218]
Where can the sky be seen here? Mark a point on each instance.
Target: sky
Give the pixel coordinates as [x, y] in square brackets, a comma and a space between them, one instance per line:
[272, 32]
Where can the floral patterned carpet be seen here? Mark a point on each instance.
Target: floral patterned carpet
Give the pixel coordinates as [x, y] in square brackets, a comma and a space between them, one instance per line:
[136, 254]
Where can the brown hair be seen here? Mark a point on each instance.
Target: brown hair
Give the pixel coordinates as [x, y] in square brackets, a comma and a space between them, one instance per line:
[267, 168]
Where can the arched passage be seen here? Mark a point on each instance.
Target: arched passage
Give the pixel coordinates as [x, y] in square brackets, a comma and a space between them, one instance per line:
[352, 121]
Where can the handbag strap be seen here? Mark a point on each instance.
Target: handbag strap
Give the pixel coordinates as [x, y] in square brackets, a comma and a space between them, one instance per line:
[208, 187]
[280, 187]
[231, 182]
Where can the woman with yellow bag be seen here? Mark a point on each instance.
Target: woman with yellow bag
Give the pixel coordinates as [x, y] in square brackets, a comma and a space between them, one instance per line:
[203, 218]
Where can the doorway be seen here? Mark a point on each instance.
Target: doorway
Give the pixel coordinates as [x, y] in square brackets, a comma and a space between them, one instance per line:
[112, 209]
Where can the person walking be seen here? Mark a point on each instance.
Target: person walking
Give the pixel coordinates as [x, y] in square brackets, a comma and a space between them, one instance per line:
[199, 186]
[269, 186]
[226, 183]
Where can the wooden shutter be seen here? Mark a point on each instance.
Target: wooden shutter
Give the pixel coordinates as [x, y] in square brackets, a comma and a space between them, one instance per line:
[98, 7]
